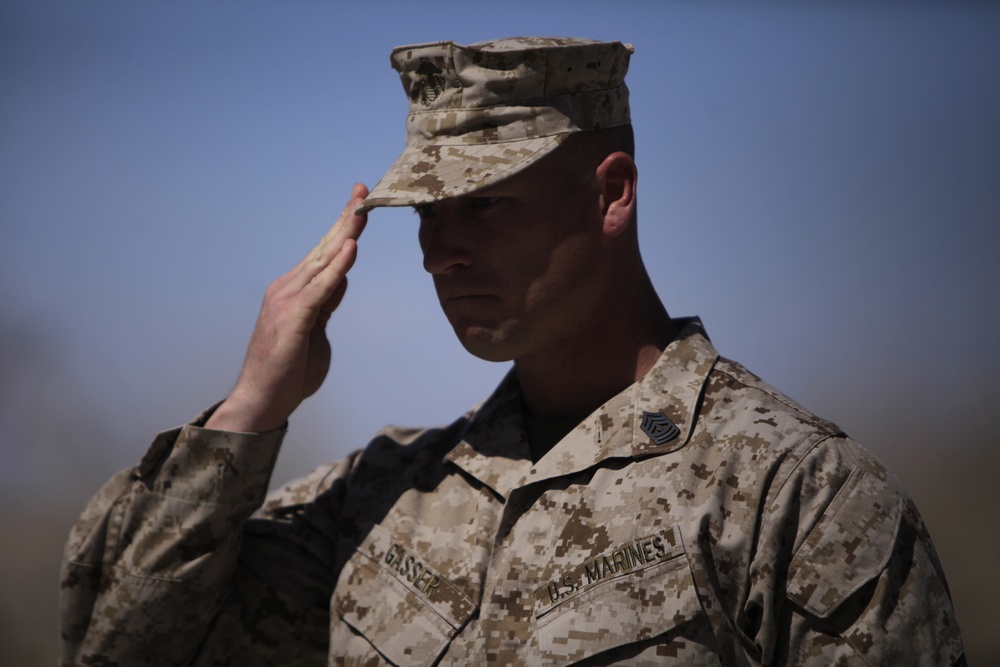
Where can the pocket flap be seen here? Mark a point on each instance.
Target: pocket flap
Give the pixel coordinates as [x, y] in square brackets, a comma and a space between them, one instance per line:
[849, 546]
[409, 620]
[621, 608]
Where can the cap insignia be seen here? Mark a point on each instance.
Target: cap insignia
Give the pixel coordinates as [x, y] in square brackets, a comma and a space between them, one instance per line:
[431, 83]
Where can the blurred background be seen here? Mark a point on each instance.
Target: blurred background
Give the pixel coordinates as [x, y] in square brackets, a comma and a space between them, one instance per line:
[819, 182]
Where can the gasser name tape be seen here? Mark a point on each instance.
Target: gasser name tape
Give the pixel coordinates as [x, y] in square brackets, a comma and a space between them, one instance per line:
[412, 569]
[397, 558]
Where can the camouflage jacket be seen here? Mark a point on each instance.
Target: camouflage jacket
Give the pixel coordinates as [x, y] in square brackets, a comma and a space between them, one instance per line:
[699, 517]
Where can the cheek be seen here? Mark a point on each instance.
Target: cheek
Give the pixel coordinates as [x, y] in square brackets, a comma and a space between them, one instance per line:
[567, 271]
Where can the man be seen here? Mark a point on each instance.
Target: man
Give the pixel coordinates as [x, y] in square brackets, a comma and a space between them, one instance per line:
[625, 496]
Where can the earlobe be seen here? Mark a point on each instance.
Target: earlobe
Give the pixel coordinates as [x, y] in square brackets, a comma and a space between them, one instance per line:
[617, 176]
[615, 220]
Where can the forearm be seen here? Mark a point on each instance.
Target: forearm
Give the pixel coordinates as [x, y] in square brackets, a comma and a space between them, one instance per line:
[149, 563]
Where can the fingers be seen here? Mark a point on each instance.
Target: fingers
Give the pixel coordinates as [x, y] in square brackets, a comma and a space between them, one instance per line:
[349, 225]
[345, 231]
[325, 286]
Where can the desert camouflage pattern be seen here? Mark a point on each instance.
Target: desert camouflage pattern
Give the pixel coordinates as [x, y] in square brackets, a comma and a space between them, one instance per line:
[483, 112]
[697, 518]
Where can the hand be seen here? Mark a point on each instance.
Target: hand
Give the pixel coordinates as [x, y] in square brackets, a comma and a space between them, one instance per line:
[289, 353]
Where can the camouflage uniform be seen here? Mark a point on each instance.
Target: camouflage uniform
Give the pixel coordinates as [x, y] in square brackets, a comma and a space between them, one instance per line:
[698, 517]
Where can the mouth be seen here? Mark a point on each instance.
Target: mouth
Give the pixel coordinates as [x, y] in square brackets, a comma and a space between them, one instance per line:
[448, 298]
[467, 299]
[465, 295]
[448, 291]
[466, 304]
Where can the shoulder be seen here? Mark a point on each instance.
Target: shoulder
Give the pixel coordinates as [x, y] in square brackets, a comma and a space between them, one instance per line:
[810, 449]
[731, 385]
[742, 416]
[798, 461]
[396, 455]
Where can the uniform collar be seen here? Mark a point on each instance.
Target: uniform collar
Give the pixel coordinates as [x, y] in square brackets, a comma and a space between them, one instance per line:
[494, 446]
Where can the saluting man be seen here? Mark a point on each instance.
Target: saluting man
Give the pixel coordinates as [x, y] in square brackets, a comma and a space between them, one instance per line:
[626, 495]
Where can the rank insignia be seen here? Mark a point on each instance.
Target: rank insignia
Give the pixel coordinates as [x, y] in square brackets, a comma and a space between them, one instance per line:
[658, 427]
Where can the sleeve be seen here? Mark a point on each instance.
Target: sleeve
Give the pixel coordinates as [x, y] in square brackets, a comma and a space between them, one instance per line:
[861, 581]
[152, 570]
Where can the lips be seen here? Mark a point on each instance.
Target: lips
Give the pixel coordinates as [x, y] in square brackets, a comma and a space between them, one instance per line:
[468, 301]
[461, 297]
[453, 290]
[463, 294]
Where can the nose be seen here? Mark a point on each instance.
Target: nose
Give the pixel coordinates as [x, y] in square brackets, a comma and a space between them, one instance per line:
[444, 240]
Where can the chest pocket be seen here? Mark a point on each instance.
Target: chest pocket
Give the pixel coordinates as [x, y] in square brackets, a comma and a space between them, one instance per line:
[401, 605]
[636, 593]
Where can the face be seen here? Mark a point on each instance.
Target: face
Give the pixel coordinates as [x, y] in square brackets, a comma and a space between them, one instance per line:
[516, 266]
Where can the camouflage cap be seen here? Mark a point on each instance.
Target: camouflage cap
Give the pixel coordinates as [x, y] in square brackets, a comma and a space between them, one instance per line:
[483, 112]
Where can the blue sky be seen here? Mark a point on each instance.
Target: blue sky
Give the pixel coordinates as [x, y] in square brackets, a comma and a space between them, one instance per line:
[819, 182]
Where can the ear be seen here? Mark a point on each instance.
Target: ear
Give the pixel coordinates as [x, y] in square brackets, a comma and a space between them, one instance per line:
[617, 176]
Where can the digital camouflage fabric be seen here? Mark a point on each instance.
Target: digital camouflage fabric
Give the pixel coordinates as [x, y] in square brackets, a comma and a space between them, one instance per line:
[480, 113]
[697, 518]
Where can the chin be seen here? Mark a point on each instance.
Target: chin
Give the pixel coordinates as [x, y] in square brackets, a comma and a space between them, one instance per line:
[487, 345]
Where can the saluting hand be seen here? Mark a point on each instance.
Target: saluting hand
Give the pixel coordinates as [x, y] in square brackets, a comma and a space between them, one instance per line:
[289, 353]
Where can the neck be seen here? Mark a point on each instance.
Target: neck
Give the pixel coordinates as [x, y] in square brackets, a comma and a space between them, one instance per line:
[617, 349]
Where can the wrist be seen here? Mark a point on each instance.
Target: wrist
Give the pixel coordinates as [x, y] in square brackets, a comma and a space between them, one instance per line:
[239, 415]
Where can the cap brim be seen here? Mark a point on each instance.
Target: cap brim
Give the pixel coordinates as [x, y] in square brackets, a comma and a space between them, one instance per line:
[424, 174]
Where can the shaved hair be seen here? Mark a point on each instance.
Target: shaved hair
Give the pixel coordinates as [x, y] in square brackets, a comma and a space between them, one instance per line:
[601, 143]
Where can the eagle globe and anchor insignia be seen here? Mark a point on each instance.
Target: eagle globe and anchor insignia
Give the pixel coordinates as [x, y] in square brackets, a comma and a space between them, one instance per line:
[431, 83]
[658, 427]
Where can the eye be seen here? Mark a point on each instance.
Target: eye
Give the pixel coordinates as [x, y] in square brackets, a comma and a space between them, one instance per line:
[425, 211]
[484, 202]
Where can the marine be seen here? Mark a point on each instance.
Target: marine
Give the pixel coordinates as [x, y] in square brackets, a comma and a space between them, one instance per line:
[626, 495]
